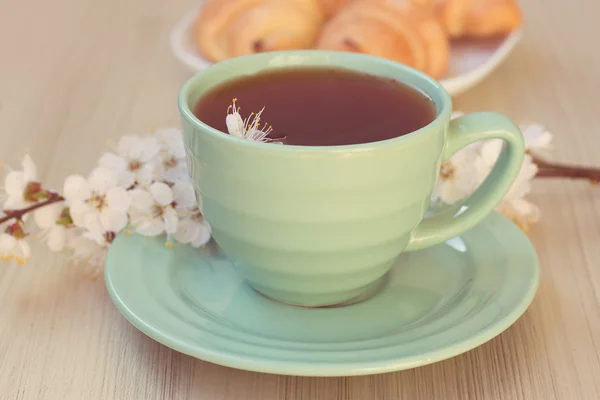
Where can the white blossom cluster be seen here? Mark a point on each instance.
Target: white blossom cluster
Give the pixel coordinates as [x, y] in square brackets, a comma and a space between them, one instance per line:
[143, 186]
[467, 169]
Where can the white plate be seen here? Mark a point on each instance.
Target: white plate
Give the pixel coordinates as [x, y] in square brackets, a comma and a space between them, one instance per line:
[470, 61]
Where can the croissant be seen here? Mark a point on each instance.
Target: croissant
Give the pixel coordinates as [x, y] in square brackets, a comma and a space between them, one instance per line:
[331, 7]
[232, 28]
[478, 18]
[398, 30]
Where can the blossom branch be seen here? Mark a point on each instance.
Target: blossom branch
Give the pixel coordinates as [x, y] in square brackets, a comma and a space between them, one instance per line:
[554, 170]
[18, 214]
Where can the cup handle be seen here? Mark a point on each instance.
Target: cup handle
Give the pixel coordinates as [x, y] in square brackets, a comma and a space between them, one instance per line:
[460, 217]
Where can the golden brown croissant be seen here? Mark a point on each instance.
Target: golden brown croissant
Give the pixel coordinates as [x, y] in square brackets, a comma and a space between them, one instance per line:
[331, 7]
[397, 30]
[478, 18]
[231, 28]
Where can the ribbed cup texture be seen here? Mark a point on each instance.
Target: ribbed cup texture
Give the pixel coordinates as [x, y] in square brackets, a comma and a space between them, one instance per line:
[305, 225]
[312, 222]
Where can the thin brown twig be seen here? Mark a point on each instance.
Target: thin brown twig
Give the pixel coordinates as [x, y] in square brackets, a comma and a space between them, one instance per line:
[549, 169]
[563, 171]
[18, 214]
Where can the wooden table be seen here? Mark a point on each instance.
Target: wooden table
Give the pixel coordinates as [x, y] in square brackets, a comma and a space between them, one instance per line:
[76, 72]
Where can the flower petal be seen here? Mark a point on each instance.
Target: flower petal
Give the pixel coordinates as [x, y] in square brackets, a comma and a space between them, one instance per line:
[46, 217]
[537, 137]
[92, 223]
[98, 238]
[15, 183]
[76, 188]
[57, 238]
[112, 220]
[88, 249]
[14, 203]
[184, 195]
[118, 199]
[7, 242]
[150, 227]
[451, 193]
[171, 220]
[29, 169]
[178, 173]
[235, 125]
[141, 199]
[78, 211]
[525, 208]
[522, 184]
[145, 175]
[24, 251]
[149, 149]
[171, 141]
[113, 162]
[187, 230]
[162, 193]
[158, 171]
[203, 236]
[130, 147]
[101, 179]
[126, 179]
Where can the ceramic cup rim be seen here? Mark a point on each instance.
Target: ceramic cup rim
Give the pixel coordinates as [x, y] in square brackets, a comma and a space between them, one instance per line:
[425, 83]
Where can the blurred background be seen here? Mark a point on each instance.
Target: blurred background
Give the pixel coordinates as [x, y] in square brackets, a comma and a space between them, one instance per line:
[75, 74]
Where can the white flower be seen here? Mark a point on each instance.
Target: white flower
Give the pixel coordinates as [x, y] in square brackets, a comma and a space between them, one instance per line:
[134, 161]
[522, 185]
[13, 244]
[21, 186]
[536, 137]
[88, 248]
[97, 203]
[456, 183]
[458, 176]
[170, 140]
[54, 220]
[514, 205]
[193, 230]
[538, 140]
[184, 194]
[152, 212]
[13, 248]
[248, 128]
[171, 166]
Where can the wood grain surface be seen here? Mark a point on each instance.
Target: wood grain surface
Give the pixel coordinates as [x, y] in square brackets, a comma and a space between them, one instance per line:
[74, 73]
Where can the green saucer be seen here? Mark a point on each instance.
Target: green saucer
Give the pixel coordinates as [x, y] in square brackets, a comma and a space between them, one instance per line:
[434, 304]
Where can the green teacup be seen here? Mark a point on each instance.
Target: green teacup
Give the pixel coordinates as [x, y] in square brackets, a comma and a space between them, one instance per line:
[316, 226]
